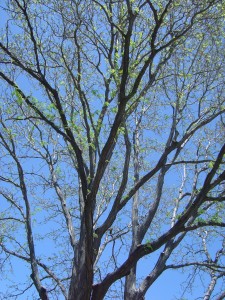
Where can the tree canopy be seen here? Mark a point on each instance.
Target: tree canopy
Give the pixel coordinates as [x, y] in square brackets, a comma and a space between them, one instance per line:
[112, 147]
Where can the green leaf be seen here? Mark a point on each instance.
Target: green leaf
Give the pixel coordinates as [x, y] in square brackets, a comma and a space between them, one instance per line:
[19, 98]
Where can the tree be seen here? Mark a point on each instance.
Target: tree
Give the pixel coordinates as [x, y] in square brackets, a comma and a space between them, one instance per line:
[112, 145]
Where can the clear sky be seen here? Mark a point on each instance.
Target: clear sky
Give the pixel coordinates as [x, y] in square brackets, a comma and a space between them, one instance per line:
[171, 285]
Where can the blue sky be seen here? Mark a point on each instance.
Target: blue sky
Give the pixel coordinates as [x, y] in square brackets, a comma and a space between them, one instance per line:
[168, 286]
